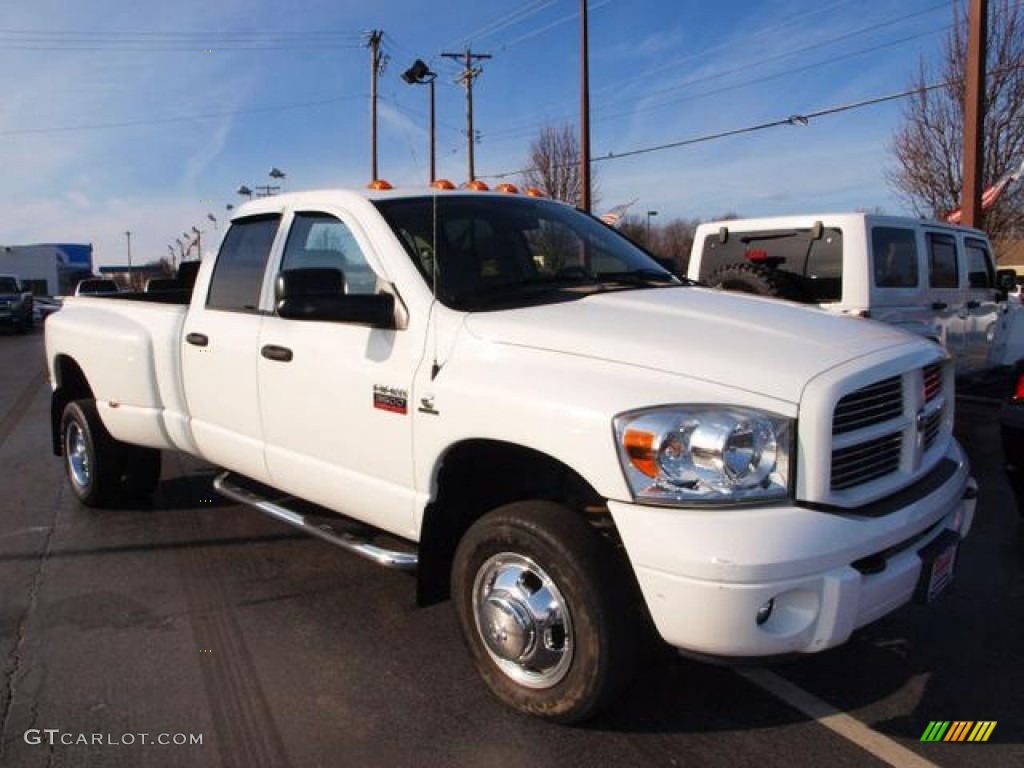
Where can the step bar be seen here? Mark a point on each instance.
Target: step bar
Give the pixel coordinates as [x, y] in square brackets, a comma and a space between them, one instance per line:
[228, 485]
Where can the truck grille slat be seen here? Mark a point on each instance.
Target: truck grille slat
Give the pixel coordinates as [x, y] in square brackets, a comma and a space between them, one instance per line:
[874, 404]
[866, 462]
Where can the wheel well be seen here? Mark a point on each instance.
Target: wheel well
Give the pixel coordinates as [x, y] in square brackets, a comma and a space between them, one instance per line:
[477, 476]
[71, 384]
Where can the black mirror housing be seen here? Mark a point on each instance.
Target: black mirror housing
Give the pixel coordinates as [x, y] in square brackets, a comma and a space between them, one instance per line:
[1006, 279]
[317, 294]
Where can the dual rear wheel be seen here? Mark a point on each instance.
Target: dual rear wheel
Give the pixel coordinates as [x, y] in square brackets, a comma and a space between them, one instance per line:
[102, 471]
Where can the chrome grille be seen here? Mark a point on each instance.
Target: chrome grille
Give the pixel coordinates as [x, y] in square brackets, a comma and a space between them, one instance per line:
[865, 462]
[874, 404]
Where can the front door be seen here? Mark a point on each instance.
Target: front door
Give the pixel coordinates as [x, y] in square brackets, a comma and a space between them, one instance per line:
[337, 416]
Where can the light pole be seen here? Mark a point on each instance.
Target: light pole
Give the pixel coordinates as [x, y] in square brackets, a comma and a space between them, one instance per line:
[131, 283]
[212, 218]
[420, 74]
[244, 191]
[649, 215]
[199, 243]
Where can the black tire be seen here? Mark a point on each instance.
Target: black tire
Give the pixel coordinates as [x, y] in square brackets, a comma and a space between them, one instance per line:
[752, 278]
[569, 669]
[102, 471]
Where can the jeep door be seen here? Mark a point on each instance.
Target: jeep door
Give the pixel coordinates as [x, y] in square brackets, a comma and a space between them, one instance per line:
[944, 291]
[982, 308]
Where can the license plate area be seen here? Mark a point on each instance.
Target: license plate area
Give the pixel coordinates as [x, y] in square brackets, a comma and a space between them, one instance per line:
[938, 564]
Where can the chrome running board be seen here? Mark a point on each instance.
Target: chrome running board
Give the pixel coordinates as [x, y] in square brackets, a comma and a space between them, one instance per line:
[230, 485]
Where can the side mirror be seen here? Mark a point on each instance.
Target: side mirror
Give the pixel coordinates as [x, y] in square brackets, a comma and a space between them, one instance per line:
[317, 294]
[1006, 279]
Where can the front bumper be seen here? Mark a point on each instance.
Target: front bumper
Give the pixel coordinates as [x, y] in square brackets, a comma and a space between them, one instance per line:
[705, 574]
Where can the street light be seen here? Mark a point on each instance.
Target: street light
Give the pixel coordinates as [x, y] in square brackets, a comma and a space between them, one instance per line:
[277, 175]
[649, 215]
[420, 74]
[244, 191]
[212, 218]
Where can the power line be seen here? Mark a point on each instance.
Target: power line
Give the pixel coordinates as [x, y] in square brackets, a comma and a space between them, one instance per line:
[517, 130]
[795, 119]
[178, 119]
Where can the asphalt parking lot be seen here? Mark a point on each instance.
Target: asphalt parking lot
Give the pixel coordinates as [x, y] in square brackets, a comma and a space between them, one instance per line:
[124, 635]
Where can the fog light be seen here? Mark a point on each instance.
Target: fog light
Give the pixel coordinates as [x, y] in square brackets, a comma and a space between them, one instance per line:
[765, 612]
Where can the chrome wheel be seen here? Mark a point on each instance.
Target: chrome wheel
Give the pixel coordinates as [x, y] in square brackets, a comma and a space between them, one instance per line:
[76, 449]
[523, 620]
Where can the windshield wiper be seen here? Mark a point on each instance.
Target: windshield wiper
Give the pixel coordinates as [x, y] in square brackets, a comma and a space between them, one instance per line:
[639, 277]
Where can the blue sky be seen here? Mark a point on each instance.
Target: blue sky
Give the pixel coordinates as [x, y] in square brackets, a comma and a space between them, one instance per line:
[146, 116]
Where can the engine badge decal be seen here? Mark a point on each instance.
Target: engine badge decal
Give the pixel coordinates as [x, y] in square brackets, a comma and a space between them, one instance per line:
[390, 399]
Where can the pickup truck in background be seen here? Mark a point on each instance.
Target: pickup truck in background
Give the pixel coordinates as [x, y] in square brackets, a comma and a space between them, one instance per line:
[507, 396]
[15, 304]
[929, 277]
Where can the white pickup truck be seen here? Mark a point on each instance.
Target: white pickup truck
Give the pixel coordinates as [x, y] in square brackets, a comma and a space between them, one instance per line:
[541, 421]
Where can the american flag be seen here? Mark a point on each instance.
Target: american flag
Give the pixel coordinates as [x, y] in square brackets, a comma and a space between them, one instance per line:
[990, 195]
[613, 216]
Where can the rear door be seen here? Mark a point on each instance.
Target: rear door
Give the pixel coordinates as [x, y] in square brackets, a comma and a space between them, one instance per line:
[220, 349]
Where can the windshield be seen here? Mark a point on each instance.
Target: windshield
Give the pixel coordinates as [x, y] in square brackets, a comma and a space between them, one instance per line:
[496, 252]
[8, 285]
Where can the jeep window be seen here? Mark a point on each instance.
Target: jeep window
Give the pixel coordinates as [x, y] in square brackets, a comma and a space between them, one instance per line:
[321, 240]
[979, 265]
[8, 285]
[814, 267]
[238, 274]
[489, 252]
[894, 253]
[942, 261]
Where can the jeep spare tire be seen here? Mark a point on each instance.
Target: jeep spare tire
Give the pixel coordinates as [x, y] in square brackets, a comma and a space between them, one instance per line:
[753, 278]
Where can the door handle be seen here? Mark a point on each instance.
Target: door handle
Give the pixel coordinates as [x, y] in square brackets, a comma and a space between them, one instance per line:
[279, 354]
[939, 305]
[973, 304]
[197, 339]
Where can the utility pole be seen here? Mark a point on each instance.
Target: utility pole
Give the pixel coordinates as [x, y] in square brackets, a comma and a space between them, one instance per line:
[469, 73]
[585, 113]
[375, 68]
[974, 114]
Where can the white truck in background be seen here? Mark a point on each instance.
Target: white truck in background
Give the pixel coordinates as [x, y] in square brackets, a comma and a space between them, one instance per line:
[929, 277]
[509, 397]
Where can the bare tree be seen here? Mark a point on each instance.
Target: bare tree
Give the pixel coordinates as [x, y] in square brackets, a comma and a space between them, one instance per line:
[554, 164]
[928, 148]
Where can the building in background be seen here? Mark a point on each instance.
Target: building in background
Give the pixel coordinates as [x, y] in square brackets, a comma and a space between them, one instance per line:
[48, 269]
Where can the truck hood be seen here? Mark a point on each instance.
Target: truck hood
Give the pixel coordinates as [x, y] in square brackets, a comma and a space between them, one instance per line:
[746, 342]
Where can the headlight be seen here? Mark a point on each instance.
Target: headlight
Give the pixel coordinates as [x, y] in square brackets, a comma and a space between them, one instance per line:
[704, 454]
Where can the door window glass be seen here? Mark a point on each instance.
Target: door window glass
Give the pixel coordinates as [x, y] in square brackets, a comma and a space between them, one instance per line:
[942, 264]
[980, 272]
[894, 250]
[238, 274]
[321, 240]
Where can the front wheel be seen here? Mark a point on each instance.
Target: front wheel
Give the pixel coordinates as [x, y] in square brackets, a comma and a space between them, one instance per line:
[543, 611]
